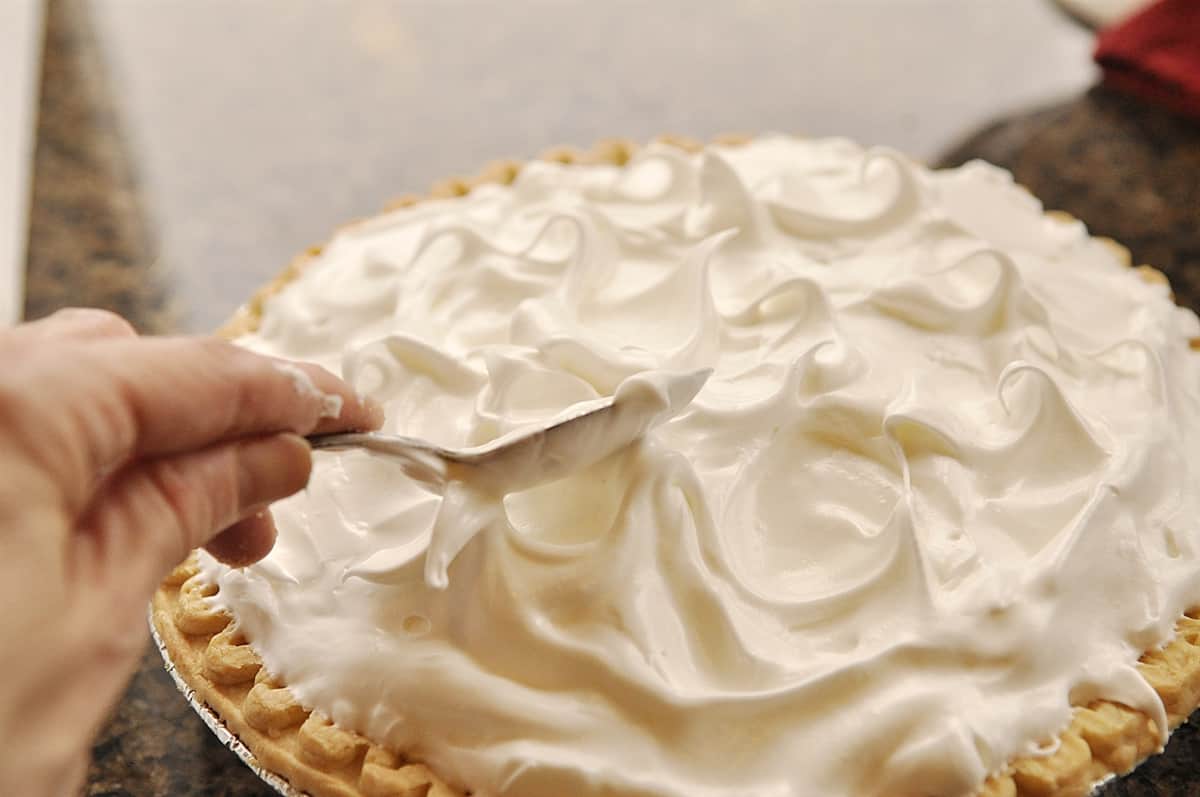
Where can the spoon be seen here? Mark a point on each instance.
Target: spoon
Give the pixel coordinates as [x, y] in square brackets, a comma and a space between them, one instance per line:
[526, 457]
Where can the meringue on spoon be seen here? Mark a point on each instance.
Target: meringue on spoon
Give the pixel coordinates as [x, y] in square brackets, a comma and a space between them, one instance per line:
[473, 481]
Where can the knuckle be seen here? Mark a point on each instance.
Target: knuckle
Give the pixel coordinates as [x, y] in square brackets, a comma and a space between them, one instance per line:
[37, 426]
[177, 494]
[13, 404]
[233, 388]
[225, 353]
[219, 356]
[97, 322]
[217, 347]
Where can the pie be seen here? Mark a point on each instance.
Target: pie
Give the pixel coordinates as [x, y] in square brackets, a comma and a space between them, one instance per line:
[929, 528]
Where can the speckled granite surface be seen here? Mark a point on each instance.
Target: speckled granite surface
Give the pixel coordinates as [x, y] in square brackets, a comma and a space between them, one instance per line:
[1130, 172]
[88, 240]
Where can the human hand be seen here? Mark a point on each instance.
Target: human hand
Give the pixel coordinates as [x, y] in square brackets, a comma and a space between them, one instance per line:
[118, 455]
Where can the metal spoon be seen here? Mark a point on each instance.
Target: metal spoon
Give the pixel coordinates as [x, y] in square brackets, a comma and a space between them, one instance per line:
[528, 457]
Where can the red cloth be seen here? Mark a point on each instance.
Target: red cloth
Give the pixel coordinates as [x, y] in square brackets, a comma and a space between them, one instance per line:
[1155, 55]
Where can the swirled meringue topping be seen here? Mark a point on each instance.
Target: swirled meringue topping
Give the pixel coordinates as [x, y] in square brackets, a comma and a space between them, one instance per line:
[939, 486]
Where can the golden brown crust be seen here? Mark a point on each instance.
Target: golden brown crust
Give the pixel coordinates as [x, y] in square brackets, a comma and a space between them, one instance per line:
[616, 151]
[211, 655]
[685, 143]
[563, 154]
[245, 319]
[450, 188]
[285, 738]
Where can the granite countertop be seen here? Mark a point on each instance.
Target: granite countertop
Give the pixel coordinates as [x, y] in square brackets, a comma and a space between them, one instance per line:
[1130, 172]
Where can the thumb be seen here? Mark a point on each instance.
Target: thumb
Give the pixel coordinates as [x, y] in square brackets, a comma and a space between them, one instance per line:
[152, 513]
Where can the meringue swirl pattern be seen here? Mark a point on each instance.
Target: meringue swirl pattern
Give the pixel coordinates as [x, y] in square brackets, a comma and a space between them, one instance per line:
[939, 487]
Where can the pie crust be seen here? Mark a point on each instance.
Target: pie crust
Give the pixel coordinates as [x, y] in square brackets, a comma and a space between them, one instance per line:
[203, 643]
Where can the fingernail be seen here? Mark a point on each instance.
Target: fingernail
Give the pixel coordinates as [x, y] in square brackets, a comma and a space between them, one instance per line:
[375, 413]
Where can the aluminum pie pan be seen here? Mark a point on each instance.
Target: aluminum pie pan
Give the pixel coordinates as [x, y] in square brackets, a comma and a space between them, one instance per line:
[230, 739]
[217, 725]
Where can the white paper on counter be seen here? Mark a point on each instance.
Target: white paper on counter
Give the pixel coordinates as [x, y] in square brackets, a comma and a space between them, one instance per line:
[20, 48]
[1102, 13]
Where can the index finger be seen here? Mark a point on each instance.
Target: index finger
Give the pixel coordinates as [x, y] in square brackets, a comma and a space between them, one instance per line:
[149, 397]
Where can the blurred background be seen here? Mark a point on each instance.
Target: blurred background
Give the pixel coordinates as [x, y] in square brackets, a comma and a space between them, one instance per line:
[209, 140]
[162, 158]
